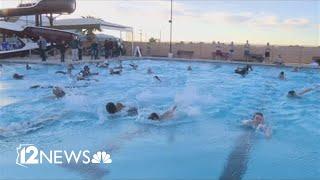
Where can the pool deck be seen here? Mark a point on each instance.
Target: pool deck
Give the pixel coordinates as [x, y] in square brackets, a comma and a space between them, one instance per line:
[86, 59]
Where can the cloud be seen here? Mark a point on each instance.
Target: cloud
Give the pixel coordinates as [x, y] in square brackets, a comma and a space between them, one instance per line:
[266, 21]
[296, 22]
[190, 23]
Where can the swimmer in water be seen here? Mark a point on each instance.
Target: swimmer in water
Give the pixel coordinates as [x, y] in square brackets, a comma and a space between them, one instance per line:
[113, 72]
[35, 86]
[157, 78]
[58, 92]
[296, 69]
[112, 108]
[165, 116]
[70, 68]
[258, 123]
[294, 94]
[85, 73]
[189, 68]
[282, 76]
[61, 72]
[120, 66]
[103, 65]
[17, 76]
[29, 126]
[134, 66]
[28, 67]
[150, 71]
[243, 71]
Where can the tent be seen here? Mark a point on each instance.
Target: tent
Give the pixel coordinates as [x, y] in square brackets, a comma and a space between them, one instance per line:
[87, 23]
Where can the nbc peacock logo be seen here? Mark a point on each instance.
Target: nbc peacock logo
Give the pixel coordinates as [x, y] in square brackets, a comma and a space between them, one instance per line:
[101, 157]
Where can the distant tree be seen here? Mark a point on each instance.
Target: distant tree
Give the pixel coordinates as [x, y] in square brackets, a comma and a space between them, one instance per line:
[152, 40]
[89, 32]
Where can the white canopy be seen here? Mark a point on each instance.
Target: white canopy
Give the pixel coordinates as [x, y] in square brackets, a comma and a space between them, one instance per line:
[77, 23]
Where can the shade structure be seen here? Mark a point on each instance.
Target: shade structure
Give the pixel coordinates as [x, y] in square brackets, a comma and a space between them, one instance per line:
[83, 23]
[88, 23]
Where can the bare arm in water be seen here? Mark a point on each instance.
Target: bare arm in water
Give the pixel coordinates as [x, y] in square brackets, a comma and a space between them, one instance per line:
[308, 90]
[168, 114]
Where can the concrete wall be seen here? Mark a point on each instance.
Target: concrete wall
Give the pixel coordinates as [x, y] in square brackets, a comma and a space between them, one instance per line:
[290, 54]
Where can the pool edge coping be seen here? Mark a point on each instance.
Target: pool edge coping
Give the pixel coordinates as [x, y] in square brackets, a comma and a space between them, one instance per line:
[128, 58]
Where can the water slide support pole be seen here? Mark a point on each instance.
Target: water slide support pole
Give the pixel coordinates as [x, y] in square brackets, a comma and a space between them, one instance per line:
[40, 18]
[37, 20]
[51, 20]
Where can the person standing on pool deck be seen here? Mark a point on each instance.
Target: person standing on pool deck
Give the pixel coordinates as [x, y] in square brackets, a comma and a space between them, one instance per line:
[94, 50]
[218, 50]
[42, 43]
[247, 50]
[80, 50]
[108, 46]
[74, 45]
[231, 50]
[267, 53]
[62, 48]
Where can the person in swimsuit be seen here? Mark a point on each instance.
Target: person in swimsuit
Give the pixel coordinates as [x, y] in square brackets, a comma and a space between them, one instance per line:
[282, 76]
[17, 76]
[165, 116]
[112, 108]
[28, 67]
[294, 94]
[58, 92]
[157, 78]
[258, 124]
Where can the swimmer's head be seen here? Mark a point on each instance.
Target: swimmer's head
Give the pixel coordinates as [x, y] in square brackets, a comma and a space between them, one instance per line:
[258, 117]
[154, 116]
[86, 68]
[292, 93]
[111, 108]
[58, 92]
[281, 73]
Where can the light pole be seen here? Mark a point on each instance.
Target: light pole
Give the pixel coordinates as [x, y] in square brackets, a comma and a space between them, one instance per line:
[140, 35]
[170, 55]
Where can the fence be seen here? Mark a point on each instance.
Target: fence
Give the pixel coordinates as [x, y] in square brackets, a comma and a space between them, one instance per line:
[289, 54]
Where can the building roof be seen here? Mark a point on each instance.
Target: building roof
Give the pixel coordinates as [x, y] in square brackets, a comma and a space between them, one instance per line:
[83, 23]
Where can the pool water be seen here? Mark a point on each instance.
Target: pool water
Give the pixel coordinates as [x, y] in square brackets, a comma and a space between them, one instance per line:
[203, 140]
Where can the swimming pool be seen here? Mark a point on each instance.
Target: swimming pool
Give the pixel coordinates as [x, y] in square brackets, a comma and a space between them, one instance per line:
[204, 140]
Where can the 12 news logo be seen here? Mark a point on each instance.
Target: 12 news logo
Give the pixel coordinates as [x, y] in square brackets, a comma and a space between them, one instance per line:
[29, 154]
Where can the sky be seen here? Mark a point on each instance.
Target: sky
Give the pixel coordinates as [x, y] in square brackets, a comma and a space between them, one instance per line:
[284, 22]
